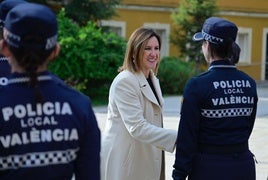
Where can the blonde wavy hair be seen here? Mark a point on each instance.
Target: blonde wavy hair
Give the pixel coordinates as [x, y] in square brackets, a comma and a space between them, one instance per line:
[135, 49]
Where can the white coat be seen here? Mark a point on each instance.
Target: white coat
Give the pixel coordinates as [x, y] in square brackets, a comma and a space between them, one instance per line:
[133, 139]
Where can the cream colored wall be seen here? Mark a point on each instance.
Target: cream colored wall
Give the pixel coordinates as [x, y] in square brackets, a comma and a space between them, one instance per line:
[160, 3]
[249, 14]
[235, 5]
[136, 18]
[245, 13]
[244, 5]
[257, 25]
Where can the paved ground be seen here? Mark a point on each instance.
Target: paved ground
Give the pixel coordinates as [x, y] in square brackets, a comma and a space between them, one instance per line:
[258, 140]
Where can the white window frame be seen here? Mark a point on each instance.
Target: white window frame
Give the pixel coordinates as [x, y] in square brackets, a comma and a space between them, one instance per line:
[245, 54]
[164, 36]
[116, 24]
[264, 46]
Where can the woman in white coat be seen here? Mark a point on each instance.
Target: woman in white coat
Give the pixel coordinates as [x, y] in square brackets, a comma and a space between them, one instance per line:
[134, 140]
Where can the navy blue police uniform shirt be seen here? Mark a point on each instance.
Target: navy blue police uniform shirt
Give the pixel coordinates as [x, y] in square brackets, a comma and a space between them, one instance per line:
[4, 70]
[218, 108]
[48, 140]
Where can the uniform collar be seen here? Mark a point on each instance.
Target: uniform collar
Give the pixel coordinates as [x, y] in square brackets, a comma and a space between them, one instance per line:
[22, 77]
[221, 64]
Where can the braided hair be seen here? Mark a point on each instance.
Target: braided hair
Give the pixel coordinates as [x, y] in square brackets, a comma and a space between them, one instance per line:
[30, 59]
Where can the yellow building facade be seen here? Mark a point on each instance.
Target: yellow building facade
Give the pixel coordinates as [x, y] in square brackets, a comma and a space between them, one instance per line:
[251, 17]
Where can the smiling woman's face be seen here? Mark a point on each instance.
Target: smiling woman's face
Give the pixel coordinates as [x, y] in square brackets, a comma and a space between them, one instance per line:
[150, 56]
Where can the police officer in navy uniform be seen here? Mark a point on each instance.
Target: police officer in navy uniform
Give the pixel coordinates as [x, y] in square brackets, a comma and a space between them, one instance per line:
[5, 6]
[217, 114]
[47, 129]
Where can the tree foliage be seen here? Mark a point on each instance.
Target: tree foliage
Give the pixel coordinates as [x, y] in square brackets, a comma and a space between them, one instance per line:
[188, 20]
[173, 74]
[83, 10]
[89, 59]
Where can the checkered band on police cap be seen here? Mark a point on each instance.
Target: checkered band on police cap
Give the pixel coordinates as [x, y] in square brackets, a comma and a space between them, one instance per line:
[217, 31]
[31, 20]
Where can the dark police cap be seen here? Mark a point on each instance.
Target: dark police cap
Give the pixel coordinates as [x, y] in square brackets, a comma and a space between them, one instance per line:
[31, 20]
[217, 31]
[7, 5]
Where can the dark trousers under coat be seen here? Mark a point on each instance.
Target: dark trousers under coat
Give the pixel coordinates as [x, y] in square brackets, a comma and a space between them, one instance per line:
[237, 166]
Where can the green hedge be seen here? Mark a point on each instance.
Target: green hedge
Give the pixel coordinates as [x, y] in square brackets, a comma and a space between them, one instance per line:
[173, 74]
[89, 58]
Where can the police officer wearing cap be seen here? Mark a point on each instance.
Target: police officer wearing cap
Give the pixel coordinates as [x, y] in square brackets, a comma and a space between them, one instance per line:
[217, 114]
[47, 129]
[5, 6]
